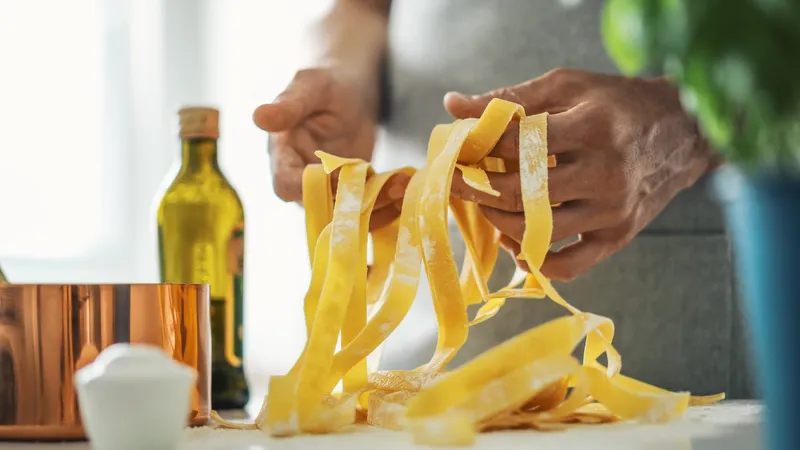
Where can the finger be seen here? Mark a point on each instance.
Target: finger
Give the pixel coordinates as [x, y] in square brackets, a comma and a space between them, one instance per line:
[463, 106]
[334, 177]
[575, 218]
[570, 219]
[507, 184]
[514, 248]
[574, 259]
[555, 91]
[559, 138]
[507, 148]
[300, 139]
[287, 173]
[384, 216]
[510, 224]
[301, 97]
[393, 191]
[565, 130]
[568, 182]
[561, 185]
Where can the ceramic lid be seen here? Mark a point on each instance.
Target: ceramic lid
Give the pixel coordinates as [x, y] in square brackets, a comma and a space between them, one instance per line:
[132, 362]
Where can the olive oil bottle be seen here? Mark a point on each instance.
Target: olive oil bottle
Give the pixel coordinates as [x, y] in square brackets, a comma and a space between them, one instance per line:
[201, 240]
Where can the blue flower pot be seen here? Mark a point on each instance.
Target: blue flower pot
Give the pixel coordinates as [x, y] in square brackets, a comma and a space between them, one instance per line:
[763, 215]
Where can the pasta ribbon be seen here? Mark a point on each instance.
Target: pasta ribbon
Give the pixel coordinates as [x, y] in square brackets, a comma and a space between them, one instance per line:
[530, 381]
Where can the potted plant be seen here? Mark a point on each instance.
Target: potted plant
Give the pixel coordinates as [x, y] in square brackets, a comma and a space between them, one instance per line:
[737, 64]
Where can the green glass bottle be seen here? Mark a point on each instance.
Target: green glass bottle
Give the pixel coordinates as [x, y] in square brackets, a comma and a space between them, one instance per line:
[201, 240]
[3, 278]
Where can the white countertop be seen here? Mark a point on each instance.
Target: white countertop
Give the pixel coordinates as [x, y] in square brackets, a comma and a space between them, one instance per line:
[728, 426]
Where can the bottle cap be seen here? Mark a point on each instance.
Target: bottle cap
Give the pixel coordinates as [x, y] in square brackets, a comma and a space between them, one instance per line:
[199, 122]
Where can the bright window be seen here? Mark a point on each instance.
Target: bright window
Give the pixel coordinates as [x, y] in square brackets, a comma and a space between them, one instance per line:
[256, 46]
[89, 94]
[56, 190]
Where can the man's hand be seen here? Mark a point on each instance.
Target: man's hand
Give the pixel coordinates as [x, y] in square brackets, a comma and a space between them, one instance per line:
[624, 148]
[322, 111]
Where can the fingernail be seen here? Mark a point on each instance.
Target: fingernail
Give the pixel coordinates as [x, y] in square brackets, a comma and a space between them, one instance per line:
[452, 94]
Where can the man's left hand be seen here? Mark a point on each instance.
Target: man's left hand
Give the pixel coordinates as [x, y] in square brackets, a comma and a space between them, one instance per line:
[624, 148]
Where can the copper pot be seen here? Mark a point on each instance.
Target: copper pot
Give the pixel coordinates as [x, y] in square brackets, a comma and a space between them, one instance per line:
[47, 332]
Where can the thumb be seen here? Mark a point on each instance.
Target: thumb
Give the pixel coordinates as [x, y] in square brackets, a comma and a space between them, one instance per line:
[303, 95]
[463, 106]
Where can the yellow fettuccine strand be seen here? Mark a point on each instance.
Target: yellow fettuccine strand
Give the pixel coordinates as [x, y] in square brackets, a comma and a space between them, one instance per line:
[521, 383]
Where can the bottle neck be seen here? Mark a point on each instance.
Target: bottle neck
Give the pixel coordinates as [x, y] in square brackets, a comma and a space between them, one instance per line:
[199, 155]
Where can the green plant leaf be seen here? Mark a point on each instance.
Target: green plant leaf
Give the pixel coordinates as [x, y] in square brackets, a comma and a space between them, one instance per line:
[737, 65]
[712, 107]
[623, 29]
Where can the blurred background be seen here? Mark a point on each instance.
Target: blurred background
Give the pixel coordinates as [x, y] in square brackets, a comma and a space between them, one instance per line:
[89, 94]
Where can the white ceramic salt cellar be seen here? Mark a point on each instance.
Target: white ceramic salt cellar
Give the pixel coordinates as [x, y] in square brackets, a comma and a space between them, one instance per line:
[134, 397]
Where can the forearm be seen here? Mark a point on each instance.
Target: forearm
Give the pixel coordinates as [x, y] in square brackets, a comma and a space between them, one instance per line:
[351, 39]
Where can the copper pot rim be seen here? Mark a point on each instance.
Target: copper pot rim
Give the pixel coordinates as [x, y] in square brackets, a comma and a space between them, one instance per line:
[50, 330]
[29, 285]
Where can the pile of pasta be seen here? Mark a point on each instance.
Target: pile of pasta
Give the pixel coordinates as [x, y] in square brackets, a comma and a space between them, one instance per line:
[530, 381]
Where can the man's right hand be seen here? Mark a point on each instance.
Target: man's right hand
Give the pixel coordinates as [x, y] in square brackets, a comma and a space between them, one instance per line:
[322, 111]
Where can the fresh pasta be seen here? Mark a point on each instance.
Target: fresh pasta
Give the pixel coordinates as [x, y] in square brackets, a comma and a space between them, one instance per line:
[530, 381]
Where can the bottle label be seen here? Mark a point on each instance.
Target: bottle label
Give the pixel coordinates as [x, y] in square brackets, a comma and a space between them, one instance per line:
[234, 308]
[203, 259]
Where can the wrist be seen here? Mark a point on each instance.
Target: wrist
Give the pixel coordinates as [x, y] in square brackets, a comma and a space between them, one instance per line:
[350, 42]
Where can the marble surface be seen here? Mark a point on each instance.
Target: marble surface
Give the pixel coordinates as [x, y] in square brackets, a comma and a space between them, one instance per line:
[727, 426]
